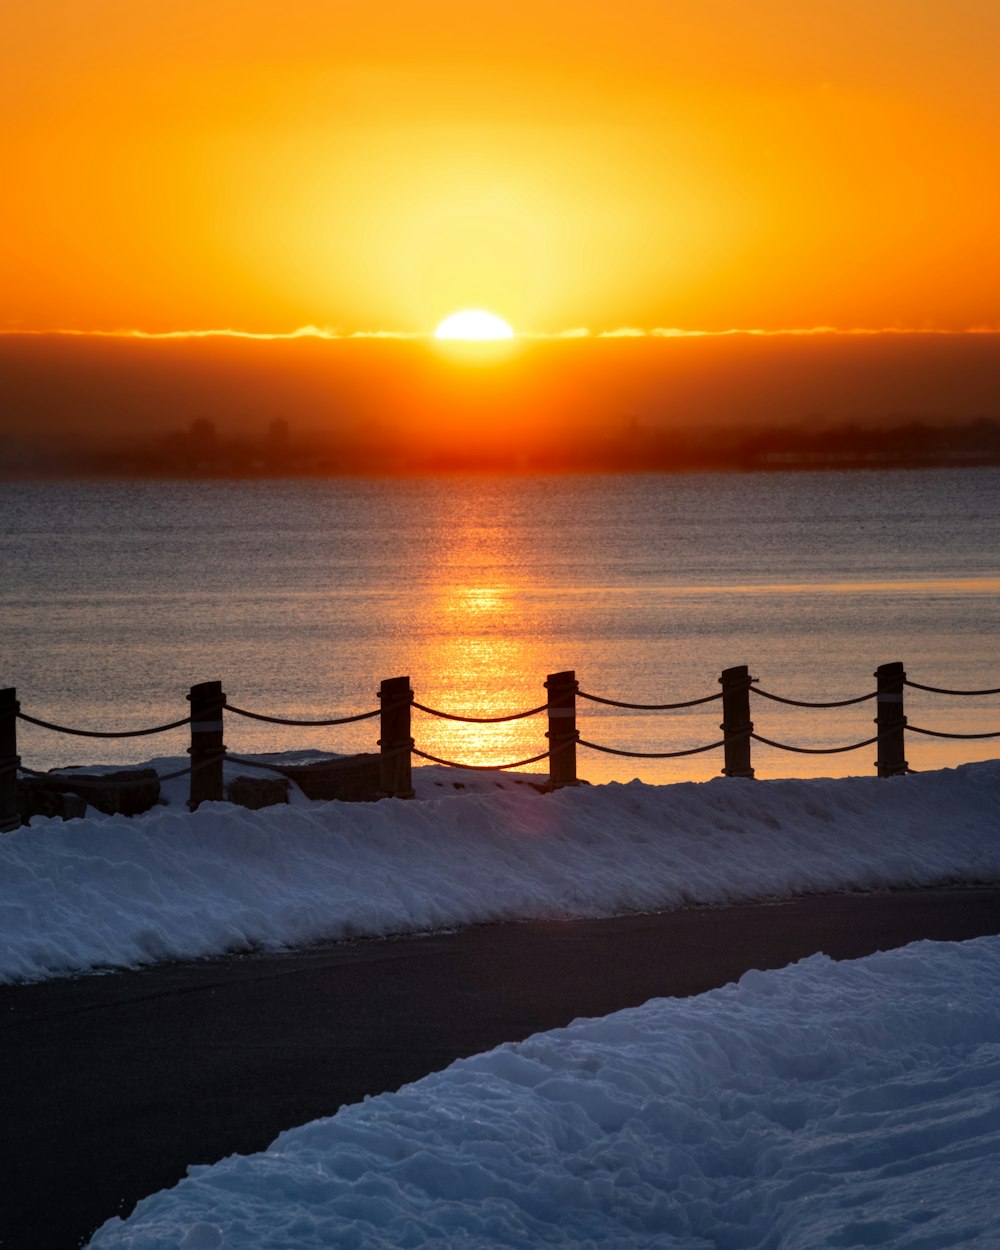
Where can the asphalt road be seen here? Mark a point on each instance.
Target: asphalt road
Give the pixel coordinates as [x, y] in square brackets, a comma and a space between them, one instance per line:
[111, 1085]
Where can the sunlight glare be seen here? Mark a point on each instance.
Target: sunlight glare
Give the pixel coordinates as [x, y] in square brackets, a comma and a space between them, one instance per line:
[474, 324]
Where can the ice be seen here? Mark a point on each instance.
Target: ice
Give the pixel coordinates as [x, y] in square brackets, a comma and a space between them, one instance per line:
[822, 1105]
[114, 891]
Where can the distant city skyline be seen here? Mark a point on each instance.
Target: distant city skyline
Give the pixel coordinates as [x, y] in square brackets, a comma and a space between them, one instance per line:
[537, 402]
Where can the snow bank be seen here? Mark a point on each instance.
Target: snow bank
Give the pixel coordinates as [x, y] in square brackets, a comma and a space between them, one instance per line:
[172, 884]
[826, 1104]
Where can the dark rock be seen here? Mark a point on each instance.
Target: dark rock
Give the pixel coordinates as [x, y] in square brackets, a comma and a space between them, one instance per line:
[258, 792]
[100, 790]
[35, 798]
[354, 779]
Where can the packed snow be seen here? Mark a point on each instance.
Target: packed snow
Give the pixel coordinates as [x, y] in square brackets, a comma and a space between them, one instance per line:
[822, 1105]
[107, 892]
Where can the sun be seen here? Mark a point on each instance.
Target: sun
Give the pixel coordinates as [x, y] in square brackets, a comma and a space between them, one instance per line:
[474, 324]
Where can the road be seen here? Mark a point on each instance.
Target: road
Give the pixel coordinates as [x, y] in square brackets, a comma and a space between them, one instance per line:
[111, 1085]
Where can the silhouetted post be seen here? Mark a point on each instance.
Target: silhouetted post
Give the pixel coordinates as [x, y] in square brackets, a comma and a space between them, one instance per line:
[562, 734]
[207, 748]
[396, 742]
[890, 720]
[10, 818]
[736, 723]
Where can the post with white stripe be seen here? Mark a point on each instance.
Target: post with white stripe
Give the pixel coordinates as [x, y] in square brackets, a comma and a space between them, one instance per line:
[563, 734]
[207, 748]
[890, 720]
[9, 760]
[396, 740]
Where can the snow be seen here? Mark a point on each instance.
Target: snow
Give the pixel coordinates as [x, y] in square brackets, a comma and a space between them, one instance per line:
[112, 891]
[822, 1105]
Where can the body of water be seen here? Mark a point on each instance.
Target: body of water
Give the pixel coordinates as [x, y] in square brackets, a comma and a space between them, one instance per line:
[301, 596]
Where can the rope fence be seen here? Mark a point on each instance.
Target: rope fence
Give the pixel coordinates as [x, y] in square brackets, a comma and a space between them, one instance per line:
[656, 755]
[285, 720]
[785, 746]
[942, 690]
[480, 720]
[777, 698]
[650, 707]
[482, 768]
[209, 754]
[103, 733]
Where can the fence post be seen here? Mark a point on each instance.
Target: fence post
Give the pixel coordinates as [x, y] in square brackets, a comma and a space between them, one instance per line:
[890, 720]
[10, 818]
[736, 723]
[207, 748]
[396, 741]
[562, 734]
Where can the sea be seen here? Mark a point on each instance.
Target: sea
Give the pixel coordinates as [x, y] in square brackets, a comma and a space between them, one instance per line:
[302, 596]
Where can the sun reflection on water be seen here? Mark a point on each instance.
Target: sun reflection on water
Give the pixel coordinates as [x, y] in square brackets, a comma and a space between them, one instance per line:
[479, 654]
[308, 595]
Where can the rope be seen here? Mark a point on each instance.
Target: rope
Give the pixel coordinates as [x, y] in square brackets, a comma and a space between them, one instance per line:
[862, 698]
[784, 746]
[937, 733]
[99, 733]
[480, 768]
[480, 720]
[399, 748]
[281, 720]
[650, 707]
[654, 755]
[941, 689]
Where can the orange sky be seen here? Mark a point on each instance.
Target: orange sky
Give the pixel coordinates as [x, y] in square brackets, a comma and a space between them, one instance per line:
[695, 163]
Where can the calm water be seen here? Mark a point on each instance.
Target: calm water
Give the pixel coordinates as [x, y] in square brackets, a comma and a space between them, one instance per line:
[301, 596]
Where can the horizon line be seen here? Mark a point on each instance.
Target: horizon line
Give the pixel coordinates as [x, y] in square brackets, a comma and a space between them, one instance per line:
[332, 334]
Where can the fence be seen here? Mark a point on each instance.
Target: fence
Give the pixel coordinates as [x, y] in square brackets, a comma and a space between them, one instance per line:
[397, 748]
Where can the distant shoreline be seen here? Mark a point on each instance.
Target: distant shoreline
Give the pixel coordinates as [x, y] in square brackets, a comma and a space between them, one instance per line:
[210, 450]
[496, 470]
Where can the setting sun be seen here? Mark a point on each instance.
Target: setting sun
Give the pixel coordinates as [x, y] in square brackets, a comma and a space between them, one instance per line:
[474, 324]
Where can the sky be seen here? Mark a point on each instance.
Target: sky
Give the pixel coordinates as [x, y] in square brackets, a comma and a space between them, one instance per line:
[709, 165]
[243, 167]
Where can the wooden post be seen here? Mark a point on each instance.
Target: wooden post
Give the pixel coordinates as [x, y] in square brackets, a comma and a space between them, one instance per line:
[562, 734]
[396, 742]
[10, 818]
[736, 723]
[890, 720]
[207, 748]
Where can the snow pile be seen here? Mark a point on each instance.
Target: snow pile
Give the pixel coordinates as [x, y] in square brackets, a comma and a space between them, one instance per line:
[826, 1104]
[173, 884]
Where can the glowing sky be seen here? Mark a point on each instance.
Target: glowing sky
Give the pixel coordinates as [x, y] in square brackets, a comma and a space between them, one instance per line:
[697, 163]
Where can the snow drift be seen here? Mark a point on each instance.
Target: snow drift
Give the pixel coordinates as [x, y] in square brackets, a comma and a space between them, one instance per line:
[112, 891]
[826, 1104]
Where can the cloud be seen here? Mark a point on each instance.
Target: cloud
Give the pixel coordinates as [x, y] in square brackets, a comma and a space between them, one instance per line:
[303, 332]
[383, 334]
[576, 332]
[805, 332]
